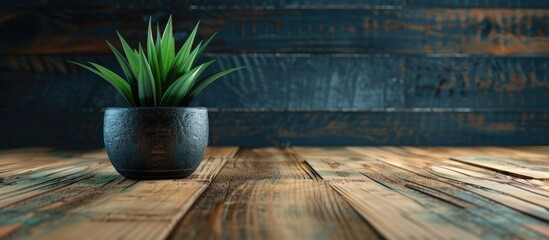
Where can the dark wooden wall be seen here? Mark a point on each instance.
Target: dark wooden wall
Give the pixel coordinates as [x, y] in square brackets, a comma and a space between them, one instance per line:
[332, 72]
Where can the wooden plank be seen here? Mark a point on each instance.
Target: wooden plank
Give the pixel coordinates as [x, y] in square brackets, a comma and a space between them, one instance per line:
[214, 160]
[201, 4]
[536, 150]
[515, 153]
[102, 199]
[372, 187]
[21, 160]
[509, 152]
[357, 4]
[48, 181]
[524, 168]
[270, 196]
[265, 163]
[449, 152]
[471, 82]
[15, 161]
[521, 200]
[280, 81]
[349, 81]
[273, 4]
[271, 209]
[8, 229]
[493, 31]
[26, 175]
[493, 188]
[221, 152]
[476, 4]
[332, 163]
[444, 154]
[378, 127]
[370, 199]
[271, 127]
[147, 210]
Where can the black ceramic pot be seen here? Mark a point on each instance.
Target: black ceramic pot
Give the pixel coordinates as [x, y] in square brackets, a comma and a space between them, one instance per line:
[156, 142]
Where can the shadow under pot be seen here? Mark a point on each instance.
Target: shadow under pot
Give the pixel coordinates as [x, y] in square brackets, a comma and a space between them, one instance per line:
[155, 142]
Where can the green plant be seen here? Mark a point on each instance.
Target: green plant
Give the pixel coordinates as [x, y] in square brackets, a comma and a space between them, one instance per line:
[160, 76]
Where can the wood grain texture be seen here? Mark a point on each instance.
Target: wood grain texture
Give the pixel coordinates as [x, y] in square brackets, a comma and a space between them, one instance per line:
[214, 160]
[279, 193]
[265, 163]
[201, 4]
[534, 151]
[60, 202]
[272, 209]
[271, 127]
[298, 81]
[472, 82]
[493, 31]
[490, 185]
[358, 127]
[273, 4]
[377, 177]
[370, 199]
[357, 4]
[270, 196]
[269, 81]
[221, 152]
[146, 210]
[479, 3]
[524, 168]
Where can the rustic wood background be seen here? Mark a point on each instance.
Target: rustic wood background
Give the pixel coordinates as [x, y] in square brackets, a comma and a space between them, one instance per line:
[333, 72]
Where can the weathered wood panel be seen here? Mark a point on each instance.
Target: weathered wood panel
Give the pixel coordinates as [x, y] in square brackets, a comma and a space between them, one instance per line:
[269, 81]
[306, 193]
[525, 168]
[491, 31]
[272, 209]
[265, 163]
[382, 184]
[479, 3]
[354, 4]
[265, 199]
[114, 4]
[303, 82]
[504, 190]
[471, 82]
[91, 201]
[202, 4]
[341, 54]
[146, 210]
[275, 4]
[256, 127]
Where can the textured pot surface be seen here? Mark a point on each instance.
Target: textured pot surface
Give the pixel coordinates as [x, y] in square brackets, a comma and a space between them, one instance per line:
[156, 143]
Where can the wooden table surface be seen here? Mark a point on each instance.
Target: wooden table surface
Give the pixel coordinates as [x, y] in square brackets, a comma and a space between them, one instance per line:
[283, 193]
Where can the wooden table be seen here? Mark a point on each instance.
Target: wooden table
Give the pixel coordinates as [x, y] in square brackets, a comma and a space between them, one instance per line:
[283, 193]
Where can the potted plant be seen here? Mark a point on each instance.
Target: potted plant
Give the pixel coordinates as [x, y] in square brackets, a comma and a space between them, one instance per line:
[158, 136]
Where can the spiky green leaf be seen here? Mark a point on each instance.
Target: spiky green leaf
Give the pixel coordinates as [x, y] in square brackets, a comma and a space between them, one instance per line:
[167, 48]
[158, 75]
[116, 81]
[210, 79]
[202, 48]
[146, 82]
[185, 50]
[131, 55]
[188, 63]
[180, 87]
[123, 63]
